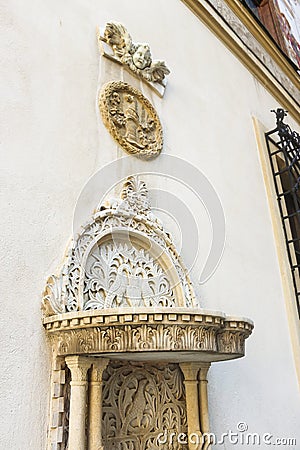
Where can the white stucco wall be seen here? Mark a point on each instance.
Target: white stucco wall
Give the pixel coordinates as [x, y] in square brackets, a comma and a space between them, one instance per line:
[51, 145]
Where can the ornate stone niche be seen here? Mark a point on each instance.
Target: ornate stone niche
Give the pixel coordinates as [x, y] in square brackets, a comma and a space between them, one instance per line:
[128, 331]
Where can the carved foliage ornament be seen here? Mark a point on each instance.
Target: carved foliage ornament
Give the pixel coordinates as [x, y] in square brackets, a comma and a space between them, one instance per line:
[112, 263]
[133, 338]
[122, 331]
[136, 56]
[131, 120]
[120, 275]
[139, 403]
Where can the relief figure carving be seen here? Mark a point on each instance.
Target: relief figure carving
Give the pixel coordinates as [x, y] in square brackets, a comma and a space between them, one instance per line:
[131, 119]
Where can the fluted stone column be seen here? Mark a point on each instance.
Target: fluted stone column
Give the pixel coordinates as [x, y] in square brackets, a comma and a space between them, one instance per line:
[190, 373]
[78, 366]
[95, 404]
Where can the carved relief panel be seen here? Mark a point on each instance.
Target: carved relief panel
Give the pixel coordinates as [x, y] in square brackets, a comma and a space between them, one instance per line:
[122, 258]
[120, 275]
[131, 119]
[133, 55]
[140, 401]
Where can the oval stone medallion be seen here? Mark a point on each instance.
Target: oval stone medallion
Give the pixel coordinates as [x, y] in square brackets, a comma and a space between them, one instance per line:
[131, 119]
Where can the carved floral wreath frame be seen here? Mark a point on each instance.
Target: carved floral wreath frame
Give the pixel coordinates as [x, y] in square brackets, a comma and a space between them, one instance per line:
[118, 86]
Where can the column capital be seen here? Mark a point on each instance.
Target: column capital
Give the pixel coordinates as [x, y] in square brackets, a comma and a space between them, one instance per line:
[98, 367]
[78, 365]
[190, 370]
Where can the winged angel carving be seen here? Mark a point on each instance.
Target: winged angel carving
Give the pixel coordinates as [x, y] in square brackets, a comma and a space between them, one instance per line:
[136, 56]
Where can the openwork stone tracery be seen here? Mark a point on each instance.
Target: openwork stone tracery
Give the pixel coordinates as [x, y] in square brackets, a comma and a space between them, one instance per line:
[123, 258]
[118, 275]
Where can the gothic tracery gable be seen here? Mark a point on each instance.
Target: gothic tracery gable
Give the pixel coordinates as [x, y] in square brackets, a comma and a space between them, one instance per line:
[105, 270]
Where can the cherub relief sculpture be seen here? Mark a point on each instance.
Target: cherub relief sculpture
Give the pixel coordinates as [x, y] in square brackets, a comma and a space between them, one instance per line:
[136, 56]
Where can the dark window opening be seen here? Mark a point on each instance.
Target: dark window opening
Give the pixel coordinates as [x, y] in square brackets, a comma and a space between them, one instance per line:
[284, 152]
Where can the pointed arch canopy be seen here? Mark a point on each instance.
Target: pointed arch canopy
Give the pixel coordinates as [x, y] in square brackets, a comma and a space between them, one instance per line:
[122, 258]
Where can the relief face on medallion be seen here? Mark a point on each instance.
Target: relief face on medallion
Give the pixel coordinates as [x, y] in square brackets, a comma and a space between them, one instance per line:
[131, 120]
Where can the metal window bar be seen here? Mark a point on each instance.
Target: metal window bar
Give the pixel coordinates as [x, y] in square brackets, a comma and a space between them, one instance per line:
[284, 153]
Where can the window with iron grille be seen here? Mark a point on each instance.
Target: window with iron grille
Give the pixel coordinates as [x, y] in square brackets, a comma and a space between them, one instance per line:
[284, 152]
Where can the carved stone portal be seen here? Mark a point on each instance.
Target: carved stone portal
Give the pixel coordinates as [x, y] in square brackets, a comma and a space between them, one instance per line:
[131, 120]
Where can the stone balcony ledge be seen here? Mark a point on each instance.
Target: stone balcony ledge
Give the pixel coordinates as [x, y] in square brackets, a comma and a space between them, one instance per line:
[169, 334]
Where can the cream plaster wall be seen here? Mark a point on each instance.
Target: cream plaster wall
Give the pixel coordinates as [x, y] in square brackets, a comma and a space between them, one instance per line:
[51, 146]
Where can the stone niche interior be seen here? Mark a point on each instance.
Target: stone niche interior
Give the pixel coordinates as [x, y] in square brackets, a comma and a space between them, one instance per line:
[140, 400]
[131, 344]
